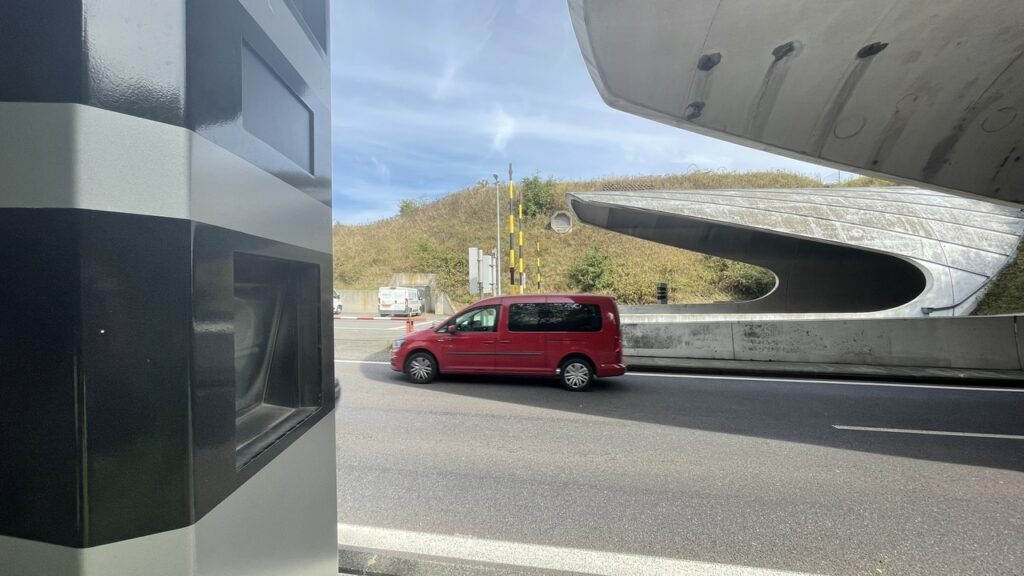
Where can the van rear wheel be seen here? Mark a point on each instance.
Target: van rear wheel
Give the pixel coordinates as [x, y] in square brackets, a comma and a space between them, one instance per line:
[576, 374]
[421, 368]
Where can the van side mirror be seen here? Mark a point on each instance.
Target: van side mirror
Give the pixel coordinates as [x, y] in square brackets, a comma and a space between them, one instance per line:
[452, 329]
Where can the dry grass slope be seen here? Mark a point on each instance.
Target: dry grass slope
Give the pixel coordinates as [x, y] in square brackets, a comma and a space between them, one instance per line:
[435, 236]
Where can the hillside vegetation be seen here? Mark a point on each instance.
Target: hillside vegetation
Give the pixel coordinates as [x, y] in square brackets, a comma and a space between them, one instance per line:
[435, 236]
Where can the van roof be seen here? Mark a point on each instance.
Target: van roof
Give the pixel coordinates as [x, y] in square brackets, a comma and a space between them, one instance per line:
[497, 299]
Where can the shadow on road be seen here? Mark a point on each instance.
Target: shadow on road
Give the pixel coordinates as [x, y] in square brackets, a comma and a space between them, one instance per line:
[789, 411]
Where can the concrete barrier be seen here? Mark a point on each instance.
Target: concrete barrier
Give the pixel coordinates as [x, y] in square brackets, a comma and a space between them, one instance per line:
[965, 344]
[358, 300]
[365, 301]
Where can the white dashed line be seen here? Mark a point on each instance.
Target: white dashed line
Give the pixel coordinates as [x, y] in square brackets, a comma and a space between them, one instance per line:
[575, 560]
[928, 432]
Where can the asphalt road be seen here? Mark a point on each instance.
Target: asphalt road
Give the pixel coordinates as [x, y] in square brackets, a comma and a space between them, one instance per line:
[369, 339]
[661, 474]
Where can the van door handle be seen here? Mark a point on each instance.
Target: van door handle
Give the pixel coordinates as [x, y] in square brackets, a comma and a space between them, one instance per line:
[504, 342]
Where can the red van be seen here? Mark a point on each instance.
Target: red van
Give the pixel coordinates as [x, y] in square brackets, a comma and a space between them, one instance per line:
[575, 337]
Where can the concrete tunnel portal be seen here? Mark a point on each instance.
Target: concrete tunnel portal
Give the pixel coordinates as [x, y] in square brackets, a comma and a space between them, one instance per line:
[811, 276]
[891, 251]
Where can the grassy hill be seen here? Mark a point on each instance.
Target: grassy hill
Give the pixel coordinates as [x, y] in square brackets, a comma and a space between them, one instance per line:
[435, 236]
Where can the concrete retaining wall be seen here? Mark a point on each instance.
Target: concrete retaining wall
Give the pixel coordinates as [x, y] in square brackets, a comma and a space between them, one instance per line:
[968, 343]
[366, 301]
[358, 300]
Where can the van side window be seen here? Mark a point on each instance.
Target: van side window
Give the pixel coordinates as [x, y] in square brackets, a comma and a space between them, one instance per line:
[554, 317]
[478, 320]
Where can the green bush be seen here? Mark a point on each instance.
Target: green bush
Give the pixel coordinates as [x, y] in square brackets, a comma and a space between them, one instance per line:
[407, 207]
[538, 196]
[592, 272]
[452, 268]
[741, 281]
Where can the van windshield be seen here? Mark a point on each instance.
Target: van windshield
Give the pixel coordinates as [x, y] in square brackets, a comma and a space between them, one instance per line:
[476, 320]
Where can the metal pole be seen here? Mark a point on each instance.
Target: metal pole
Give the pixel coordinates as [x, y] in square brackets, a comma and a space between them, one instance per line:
[495, 280]
[538, 267]
[497, 237]
[479, 278]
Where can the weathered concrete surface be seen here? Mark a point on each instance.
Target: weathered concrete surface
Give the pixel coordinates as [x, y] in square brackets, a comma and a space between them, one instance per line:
[989, 343]
[864, 251]
[926, 92]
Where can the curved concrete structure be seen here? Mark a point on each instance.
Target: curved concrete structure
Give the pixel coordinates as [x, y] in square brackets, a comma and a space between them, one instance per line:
[835, 251]
[925, 92]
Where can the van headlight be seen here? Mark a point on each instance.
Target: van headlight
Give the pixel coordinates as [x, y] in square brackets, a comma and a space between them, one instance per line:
[397, 344]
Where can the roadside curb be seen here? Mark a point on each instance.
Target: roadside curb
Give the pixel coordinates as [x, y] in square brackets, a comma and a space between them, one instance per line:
[395, 318]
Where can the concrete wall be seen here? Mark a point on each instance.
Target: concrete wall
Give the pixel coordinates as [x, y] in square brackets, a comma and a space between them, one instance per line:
[366, 301]
[358, 300]
[972, 343]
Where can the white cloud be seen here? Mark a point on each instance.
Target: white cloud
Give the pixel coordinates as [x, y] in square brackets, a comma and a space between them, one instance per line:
[381, 168]
[504, 129]
[431, 96]
[444, 83]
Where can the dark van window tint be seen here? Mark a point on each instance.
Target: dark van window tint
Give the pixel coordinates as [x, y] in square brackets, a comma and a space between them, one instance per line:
[560, 317]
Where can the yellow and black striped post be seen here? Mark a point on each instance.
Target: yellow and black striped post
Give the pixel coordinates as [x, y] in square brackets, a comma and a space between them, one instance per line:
[522, 247]
[511, 232]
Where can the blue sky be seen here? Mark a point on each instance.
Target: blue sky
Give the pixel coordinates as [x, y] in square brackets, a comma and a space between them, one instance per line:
[430, 96]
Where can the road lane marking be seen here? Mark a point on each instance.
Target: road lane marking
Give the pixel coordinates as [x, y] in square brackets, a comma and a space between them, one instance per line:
[420, 325]
[928, 432]
[809, 381]
[787, 380]
[575, 560]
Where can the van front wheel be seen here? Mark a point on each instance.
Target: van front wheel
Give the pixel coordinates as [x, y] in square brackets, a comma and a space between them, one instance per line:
[576, 374]
[421, 368]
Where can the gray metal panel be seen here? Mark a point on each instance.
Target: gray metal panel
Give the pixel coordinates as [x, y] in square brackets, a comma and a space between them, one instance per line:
[76, 156]
[925, 92]
[279, 23]
[229, 192]
[282, 521]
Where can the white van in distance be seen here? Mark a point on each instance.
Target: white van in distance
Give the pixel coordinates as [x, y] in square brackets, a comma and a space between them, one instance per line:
[399, 301]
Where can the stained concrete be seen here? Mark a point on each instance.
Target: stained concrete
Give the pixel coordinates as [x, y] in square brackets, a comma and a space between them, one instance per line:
[889, 252]
[927, 93]
[953, 345]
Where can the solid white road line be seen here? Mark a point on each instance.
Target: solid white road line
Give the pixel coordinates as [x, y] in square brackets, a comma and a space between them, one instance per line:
[537, 556]
[786, 380]
[817, 381]
[360, 362]
[928, 432]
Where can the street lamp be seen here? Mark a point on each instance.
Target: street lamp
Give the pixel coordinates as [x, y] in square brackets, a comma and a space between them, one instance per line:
[497, 237]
